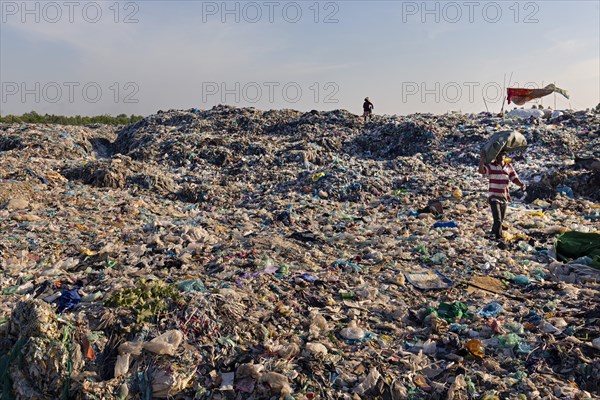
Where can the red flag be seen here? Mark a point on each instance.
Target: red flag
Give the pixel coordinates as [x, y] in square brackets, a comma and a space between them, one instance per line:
[520, 96]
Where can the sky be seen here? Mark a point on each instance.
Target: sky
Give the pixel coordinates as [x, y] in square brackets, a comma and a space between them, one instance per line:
[138, 57]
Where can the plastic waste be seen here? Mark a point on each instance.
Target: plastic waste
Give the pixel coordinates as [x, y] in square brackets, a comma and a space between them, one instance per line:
[514, 327]
[509, 340]
[352, 331]
[438, 258]
[457, 193]
[521, 280]
[475, 347]
[567, 191]
[449, 224]
[491, 310]
[525, 246]
[369, 382]
[508, 141]
[122, 365]
[92, 297]
[547, 327]
[250, 370]
[167, 343]
[191, 285]
[68, 299]
[209, 222]
[318, 326]
[452, 311]
[227, 380]
[289, 351]
[429, 347]
[316, 349]
[277, 382]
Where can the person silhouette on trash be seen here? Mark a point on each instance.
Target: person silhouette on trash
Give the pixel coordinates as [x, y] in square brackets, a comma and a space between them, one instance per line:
[367, 108]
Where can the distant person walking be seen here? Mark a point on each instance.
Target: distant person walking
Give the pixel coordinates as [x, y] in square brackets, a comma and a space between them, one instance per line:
[500, 174]
[368, 109]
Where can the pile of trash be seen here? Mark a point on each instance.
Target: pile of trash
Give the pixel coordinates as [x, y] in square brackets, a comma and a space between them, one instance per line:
[388, 141]
[240, 253]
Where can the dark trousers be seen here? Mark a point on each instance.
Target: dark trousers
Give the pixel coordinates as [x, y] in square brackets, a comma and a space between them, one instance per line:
[498, 211]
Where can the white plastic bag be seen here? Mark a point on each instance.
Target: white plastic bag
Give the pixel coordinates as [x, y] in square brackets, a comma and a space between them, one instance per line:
[167, 343]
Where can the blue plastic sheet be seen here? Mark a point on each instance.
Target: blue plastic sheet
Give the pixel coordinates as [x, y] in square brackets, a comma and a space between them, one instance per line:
[68, 299]
[449, 224]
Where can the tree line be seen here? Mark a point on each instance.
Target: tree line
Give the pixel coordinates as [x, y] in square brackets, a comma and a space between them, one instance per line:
[35, 118]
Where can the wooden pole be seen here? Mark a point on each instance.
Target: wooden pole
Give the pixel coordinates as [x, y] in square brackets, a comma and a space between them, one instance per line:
[504, 89]
[504, 98]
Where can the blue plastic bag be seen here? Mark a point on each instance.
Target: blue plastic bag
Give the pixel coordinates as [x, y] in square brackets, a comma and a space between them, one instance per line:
[68, 299]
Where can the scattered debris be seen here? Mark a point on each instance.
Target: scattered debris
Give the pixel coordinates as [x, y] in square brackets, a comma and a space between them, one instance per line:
[239, 253]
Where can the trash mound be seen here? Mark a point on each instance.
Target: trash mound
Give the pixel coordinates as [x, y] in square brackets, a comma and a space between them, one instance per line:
[38, 352]
[336, 184]
[392, 140]
[336, 122]
[567, 182]
[119, 172]
[560, 142]
[68, 143]
[239, 253]
[223, 133]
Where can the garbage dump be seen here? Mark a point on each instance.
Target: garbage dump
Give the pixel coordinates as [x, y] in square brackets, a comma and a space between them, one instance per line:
[239, 253]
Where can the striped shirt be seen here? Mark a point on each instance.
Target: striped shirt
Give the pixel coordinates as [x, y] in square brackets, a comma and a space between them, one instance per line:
[500, 177]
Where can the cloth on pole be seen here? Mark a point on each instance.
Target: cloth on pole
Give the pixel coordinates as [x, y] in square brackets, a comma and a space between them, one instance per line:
[520, 96]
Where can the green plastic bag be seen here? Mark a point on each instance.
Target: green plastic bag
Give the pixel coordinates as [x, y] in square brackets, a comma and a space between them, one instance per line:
[451, 311]
[573, 245]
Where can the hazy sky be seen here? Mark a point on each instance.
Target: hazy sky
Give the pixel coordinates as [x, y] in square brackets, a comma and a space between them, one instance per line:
[136, 57]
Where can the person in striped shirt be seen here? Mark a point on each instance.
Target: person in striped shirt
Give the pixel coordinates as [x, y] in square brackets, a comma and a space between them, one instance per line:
[500, 174]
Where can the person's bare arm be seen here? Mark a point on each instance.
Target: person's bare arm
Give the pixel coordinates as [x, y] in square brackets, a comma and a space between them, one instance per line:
[519, 183]
[515, 179]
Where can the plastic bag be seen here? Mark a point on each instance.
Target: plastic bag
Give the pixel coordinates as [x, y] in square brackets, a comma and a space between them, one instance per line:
[491, 310]
[167, 343]
[318, 324]
[134, 348]
[503, 141]
[475, 347]
[316, 349]
[368, 383]
[277, 382]
[167, 383]
[122, 364]
[352, 331]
